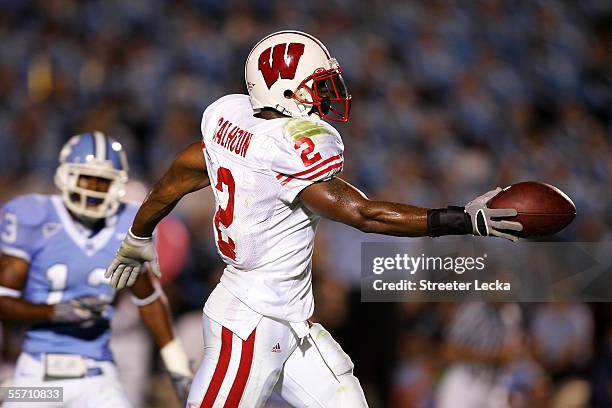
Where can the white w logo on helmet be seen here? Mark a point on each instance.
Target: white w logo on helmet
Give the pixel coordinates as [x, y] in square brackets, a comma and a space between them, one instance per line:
[282, 64]
[293, 73]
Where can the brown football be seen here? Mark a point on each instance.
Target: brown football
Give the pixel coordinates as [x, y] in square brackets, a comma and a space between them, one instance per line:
[542, 209]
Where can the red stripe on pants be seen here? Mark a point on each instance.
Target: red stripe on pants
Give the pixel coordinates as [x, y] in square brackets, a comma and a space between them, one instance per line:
[220, 369]
[246, 359]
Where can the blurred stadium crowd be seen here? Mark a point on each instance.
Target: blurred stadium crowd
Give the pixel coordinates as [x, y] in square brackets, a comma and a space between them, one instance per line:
[450, 98]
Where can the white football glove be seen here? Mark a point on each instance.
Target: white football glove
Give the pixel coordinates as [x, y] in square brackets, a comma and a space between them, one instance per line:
[80, 310]
[129, 261]
[482, 217]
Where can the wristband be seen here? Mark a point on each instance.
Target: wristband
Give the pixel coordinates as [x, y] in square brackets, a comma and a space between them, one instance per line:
[9, 292]
[175, 359]
[448, 221]
[131, 234]
[157, 292]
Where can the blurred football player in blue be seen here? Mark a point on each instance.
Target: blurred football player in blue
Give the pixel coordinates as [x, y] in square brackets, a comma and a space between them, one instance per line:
[55, 249]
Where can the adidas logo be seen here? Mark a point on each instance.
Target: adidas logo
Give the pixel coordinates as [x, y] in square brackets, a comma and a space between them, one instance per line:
[276, 349]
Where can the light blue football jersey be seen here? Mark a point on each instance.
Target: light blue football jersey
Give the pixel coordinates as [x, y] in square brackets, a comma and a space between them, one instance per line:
[64, 264]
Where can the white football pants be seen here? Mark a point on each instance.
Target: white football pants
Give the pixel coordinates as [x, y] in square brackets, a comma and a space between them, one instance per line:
[99, 391]
[243, 373]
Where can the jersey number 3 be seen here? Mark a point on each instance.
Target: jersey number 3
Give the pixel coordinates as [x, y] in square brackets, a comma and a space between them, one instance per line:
[225, 216]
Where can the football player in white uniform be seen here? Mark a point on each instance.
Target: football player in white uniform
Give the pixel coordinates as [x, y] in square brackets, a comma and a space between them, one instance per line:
[272, 163]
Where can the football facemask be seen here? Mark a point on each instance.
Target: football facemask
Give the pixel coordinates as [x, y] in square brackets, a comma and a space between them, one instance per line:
[92, 155]
[326, 91]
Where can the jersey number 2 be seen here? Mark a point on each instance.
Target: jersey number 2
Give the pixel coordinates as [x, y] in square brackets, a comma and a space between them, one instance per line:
[307, 152]
[225, 216]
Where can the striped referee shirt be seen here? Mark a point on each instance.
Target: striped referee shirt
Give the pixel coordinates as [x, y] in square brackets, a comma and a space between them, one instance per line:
[479, 327]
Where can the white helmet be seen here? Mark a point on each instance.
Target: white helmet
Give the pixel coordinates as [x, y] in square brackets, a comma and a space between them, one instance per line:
[95, 155]
[293, 73]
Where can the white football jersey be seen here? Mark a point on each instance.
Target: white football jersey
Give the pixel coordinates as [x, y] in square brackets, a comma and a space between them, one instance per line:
[257, 168]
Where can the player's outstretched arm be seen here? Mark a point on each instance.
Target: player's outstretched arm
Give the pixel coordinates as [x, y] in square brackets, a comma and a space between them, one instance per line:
[154, 312]
[186, 174]
[340, 201]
